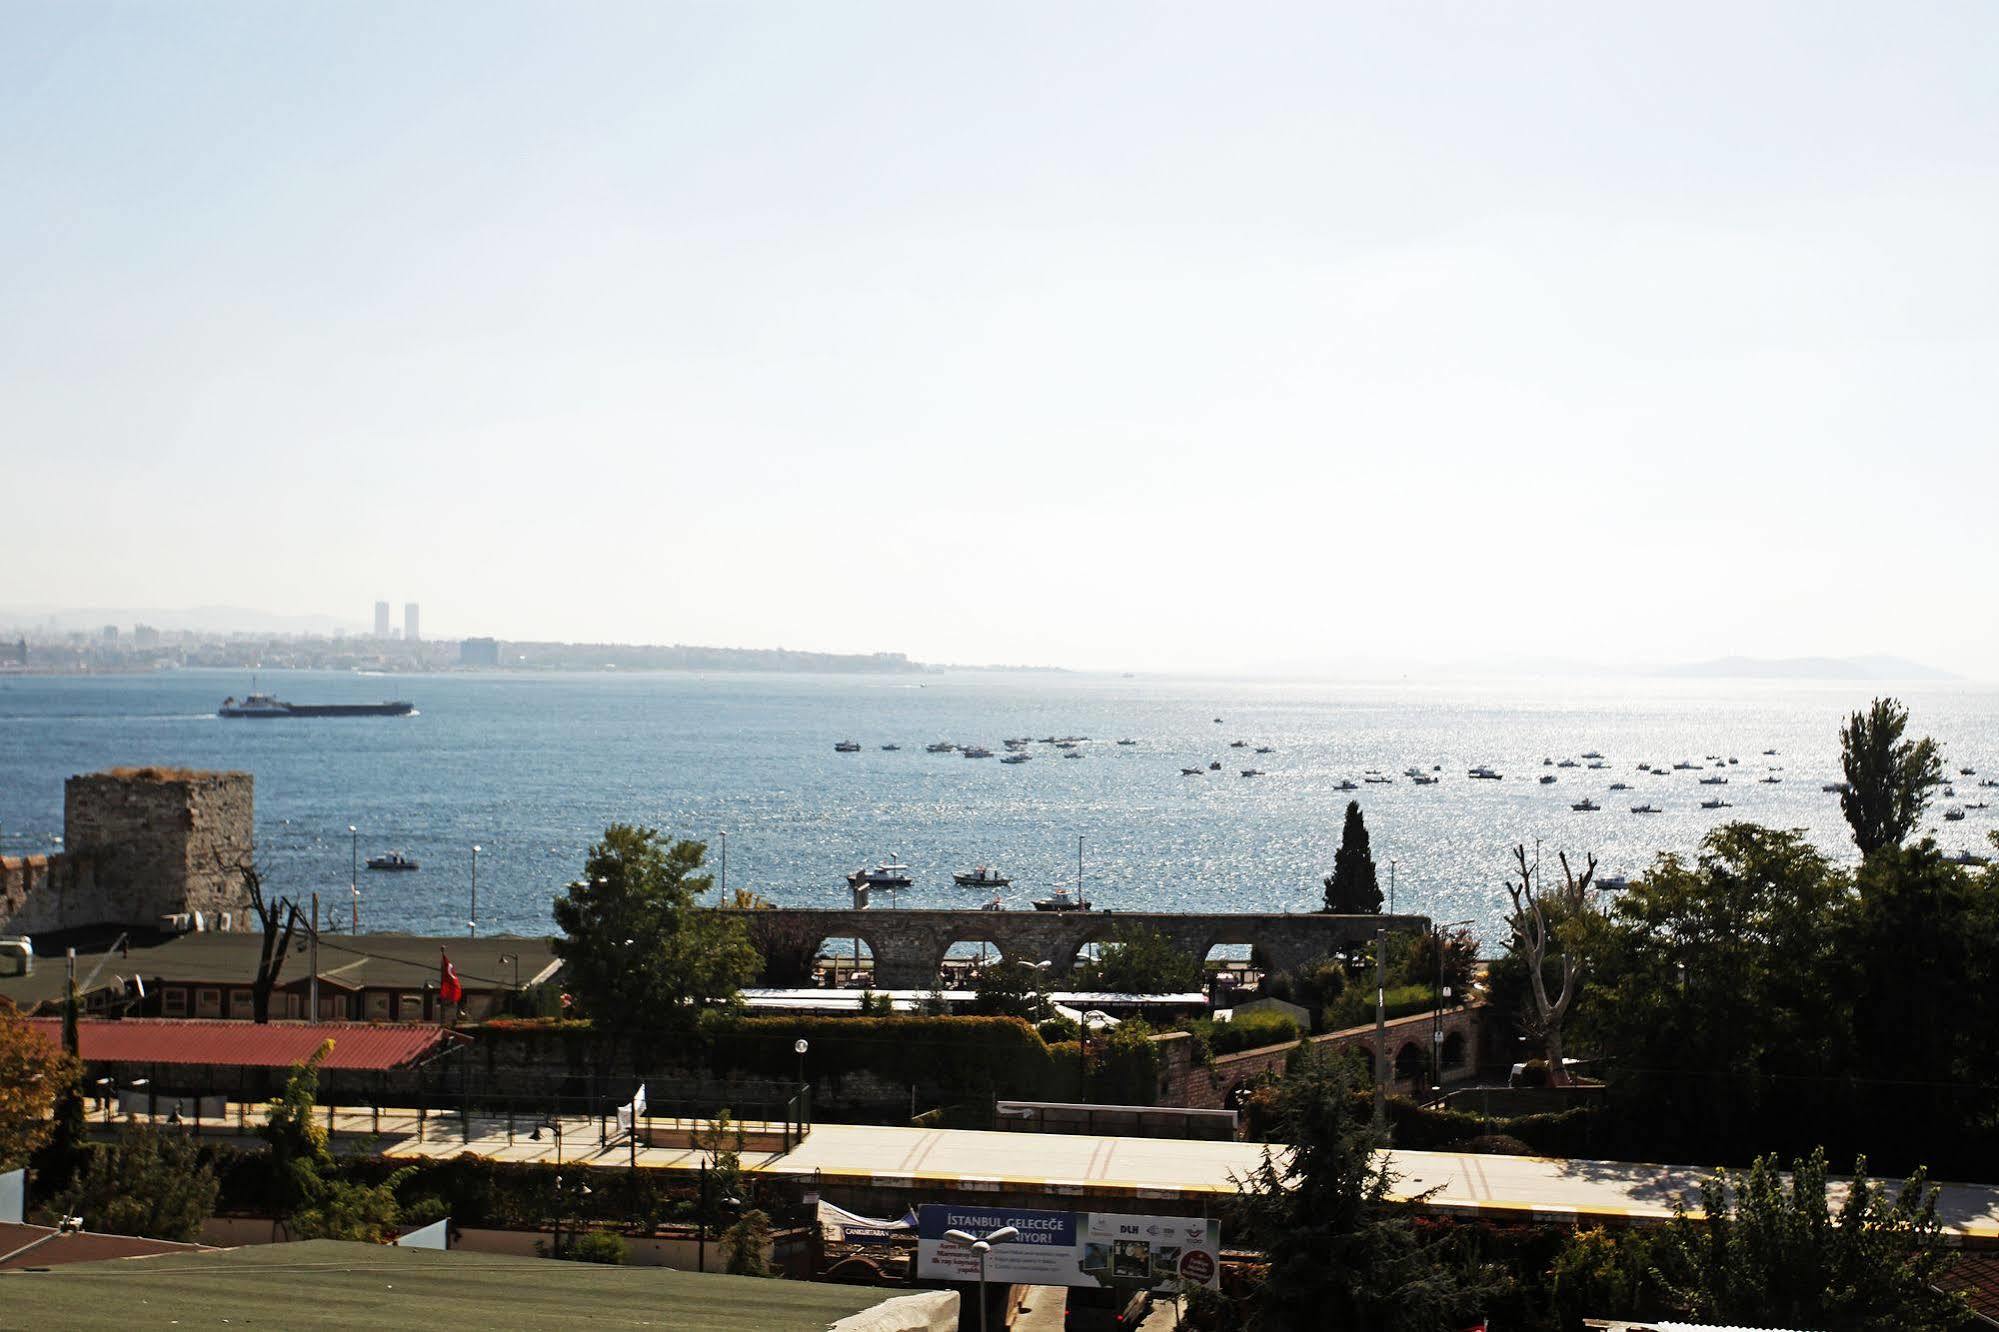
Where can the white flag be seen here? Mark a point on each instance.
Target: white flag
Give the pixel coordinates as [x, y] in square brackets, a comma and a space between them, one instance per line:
[639, 1102]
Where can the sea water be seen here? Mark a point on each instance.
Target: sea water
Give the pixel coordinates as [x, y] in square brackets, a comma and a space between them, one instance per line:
[531, 767]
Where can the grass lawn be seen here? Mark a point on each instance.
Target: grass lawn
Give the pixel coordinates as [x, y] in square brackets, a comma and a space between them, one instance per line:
[326, 1284]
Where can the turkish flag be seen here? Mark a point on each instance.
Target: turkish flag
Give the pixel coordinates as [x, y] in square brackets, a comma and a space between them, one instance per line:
[448, 988]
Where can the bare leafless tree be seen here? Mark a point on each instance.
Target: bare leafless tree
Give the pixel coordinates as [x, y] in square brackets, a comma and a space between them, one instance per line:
[279, 919]
[1549, 921]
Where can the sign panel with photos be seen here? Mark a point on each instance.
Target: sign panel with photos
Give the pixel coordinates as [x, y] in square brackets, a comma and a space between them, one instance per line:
[1071, 1248]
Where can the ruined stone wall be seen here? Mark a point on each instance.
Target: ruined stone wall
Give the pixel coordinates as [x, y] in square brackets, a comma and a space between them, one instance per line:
[39, 893]
[141, 843]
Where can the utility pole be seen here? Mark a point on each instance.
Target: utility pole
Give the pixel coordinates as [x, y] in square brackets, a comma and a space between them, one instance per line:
[1381, 1031]
[312, 993]
[725, 869]
[472, 926]
[1391, 885]
[354, 871]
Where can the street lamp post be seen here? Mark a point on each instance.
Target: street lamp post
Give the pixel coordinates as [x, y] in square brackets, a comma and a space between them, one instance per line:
[514, 958]
[725, 869]
[982, 1246]
[354, 872]
[1437, 1024]
[472, 925]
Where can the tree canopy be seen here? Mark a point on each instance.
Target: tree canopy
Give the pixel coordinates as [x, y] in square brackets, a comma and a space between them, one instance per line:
[34, 1072]
[1341, 1253]
[1140, 960]
[150, 1182]
[1351, 889]
[641, 955]
[305, 1190]
[1888, 778]
[1775, 1251]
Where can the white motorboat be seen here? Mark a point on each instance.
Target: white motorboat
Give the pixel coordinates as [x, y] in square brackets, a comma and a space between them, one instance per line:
[888, 874]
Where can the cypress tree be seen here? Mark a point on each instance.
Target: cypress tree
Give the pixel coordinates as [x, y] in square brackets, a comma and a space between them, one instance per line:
[1351, 889]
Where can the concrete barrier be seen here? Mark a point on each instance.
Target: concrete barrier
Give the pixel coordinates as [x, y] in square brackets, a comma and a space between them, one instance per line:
[930, 1311]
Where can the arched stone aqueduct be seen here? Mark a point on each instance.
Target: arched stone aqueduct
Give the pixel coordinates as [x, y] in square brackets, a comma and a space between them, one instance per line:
[909, 946]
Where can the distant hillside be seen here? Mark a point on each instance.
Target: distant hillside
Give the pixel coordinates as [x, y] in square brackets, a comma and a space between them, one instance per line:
[192, 619]
[1808, 668]
[683, 657]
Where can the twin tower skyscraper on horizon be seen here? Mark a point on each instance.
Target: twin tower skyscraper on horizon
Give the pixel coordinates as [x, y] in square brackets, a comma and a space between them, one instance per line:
[410, 634]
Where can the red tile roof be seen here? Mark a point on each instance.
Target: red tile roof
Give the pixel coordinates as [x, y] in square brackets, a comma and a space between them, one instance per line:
[247, 1044]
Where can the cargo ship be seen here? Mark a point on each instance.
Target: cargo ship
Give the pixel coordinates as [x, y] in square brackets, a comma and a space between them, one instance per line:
[264, 705]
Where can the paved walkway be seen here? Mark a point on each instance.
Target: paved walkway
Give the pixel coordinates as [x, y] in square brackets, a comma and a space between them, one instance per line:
[1109, 1171]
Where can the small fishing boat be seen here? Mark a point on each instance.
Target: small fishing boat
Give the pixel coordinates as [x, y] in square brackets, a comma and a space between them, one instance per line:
[1646, 809]
[1585, 805]
[982, 877]
[395, 861]
[847, 747]
[1192, 772]
[1061, 900]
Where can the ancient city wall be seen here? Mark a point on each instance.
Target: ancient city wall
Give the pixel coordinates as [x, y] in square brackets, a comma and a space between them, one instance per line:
[140, 843]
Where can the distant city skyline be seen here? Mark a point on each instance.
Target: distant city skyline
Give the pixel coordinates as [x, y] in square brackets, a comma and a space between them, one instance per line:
[1280, 337]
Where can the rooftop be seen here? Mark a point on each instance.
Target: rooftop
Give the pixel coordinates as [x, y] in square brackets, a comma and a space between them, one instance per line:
[327, 1284]
[221, 1044]
[403, 961]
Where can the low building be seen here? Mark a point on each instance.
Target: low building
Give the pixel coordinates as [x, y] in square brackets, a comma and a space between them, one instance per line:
[361, 977]
[193, 1071]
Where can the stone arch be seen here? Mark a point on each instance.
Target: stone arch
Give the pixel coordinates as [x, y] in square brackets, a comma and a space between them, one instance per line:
[995, 945]
[1409, 1062]
[840, 952]
[1065, 951]
[1453, 1055]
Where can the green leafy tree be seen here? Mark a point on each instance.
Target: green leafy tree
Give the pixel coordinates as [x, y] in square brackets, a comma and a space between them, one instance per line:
[150, 1182]
[1011, 989]
[746, 1245]
[1919, 948]
[1351, 889]
[1888, 779]
[641, 956]
[1124, 1064]
[1140, 960]
[1342, 1255]
[1771, 1251]
[305, 1190]
[597, 1246]
[1719, 991]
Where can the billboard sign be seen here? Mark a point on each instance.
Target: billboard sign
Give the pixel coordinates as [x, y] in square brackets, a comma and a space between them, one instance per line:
[1071, 1248]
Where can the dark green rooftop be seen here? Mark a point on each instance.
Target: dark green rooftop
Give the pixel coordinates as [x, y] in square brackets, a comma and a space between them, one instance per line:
[327, 1284]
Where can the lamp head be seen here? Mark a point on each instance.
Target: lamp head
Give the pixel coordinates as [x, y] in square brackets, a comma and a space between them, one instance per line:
[1002, 1235]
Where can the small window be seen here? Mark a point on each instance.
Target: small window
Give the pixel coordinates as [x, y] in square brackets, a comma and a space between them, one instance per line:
[294, 1005]
[333, 1008]
[208, 1003]
[378, 1007]
[242, 1005]
[173, 1001]
[409, 1008]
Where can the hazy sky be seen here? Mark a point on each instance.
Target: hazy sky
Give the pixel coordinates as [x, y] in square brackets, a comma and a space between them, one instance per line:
[1103, 335]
